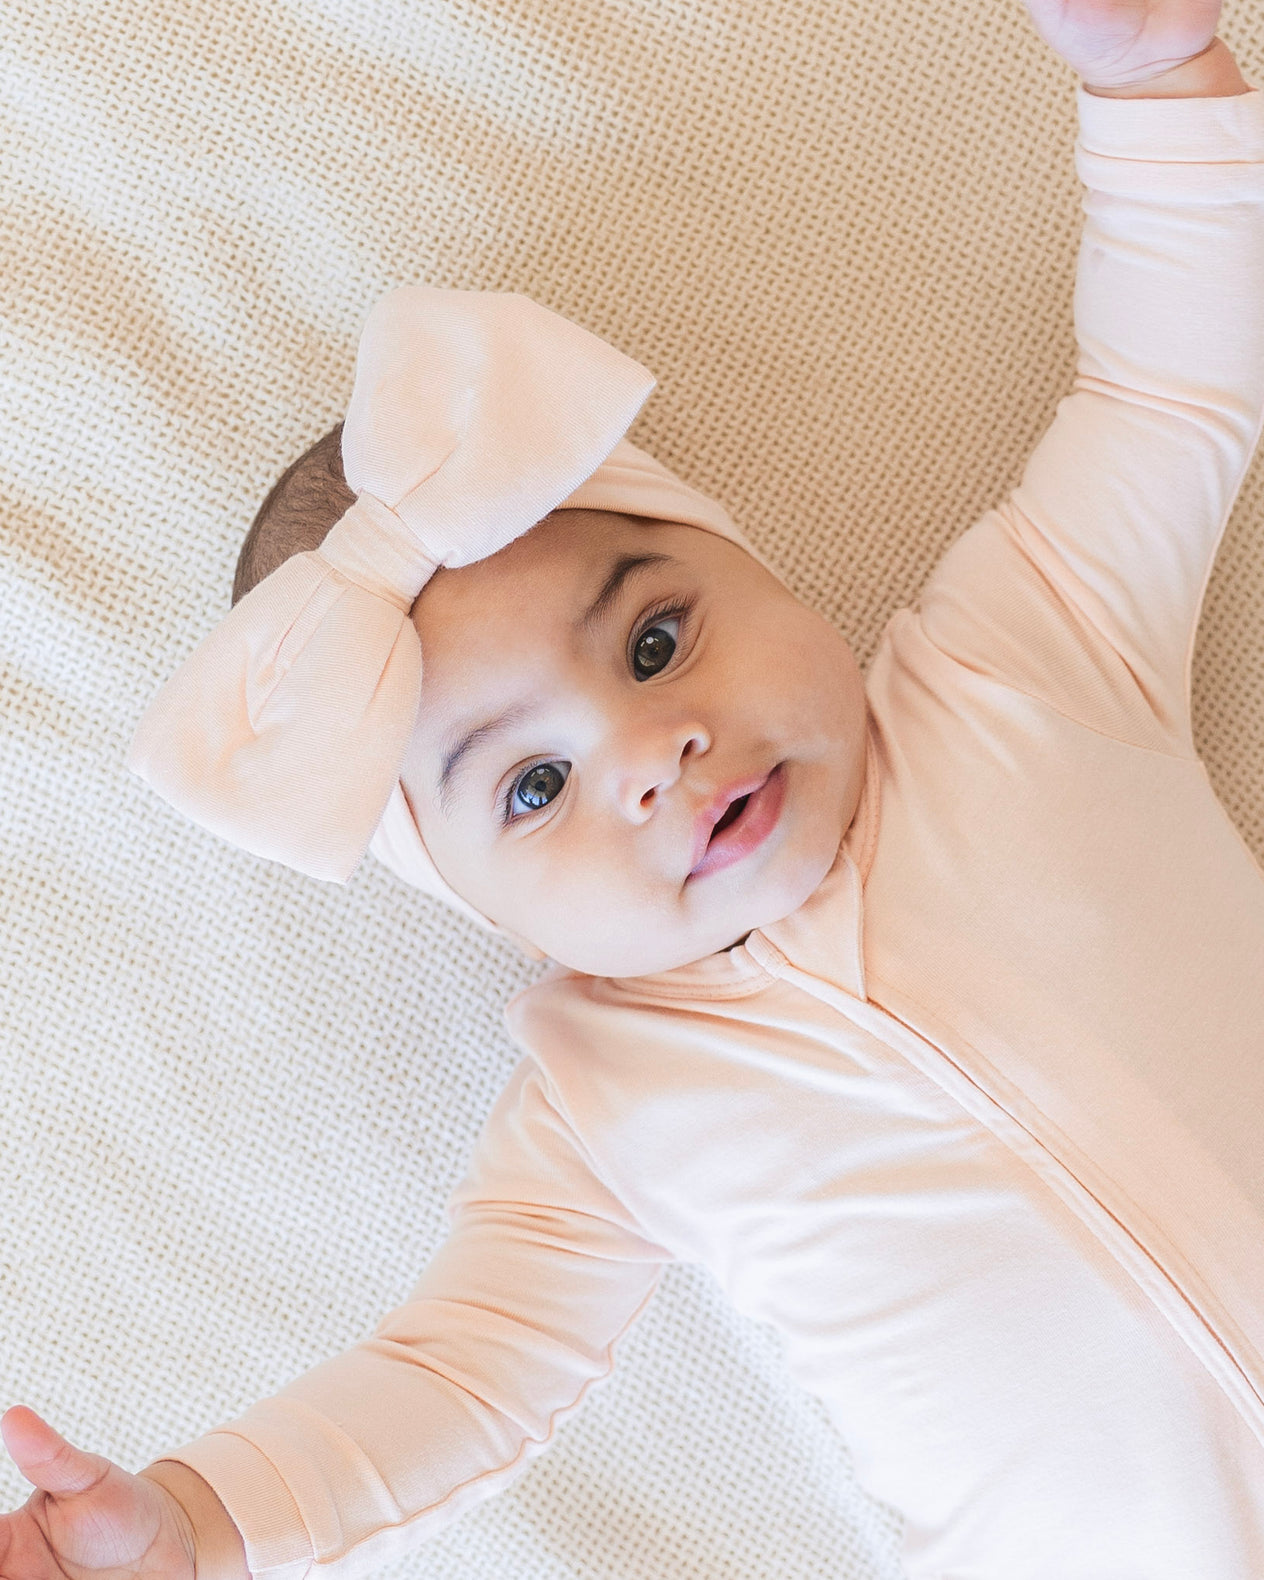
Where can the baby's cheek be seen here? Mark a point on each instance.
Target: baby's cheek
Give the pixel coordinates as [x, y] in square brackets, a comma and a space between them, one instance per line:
[605, 919]
[562, 900]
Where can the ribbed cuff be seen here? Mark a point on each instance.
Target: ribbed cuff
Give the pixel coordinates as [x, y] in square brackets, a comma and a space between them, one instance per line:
[1185, 131]
[255, 1499]
[1192, 152]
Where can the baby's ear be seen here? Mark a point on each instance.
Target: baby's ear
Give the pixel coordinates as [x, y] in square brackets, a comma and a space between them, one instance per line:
[305, 502]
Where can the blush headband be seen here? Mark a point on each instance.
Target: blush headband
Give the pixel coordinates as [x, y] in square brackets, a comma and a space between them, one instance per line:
[473, 415]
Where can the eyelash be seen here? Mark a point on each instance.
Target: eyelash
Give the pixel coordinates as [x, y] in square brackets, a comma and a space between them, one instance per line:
[681, 609]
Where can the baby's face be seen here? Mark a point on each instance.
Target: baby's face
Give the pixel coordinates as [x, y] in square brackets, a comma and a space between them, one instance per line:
[596, 698]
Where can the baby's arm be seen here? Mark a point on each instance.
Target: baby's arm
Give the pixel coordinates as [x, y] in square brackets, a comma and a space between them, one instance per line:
[368, 1454]
[515, 1318]
[1084, 587]
[1133, 484]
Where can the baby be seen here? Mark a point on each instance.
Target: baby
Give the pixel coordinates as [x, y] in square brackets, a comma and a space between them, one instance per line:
[924, 1009]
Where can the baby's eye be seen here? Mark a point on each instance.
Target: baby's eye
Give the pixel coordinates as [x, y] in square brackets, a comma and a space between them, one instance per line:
[536, 788]
[654, 647]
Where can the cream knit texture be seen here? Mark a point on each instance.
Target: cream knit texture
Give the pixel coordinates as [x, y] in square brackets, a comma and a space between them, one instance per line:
[233, 1100]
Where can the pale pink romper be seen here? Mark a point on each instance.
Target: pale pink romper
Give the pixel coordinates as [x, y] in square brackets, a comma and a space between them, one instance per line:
[980, 1129]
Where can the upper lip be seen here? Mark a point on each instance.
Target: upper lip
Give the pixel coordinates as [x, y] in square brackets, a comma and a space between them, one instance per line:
[713, 810]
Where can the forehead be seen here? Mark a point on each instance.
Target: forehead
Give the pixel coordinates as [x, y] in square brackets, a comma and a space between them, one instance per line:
[550, 574]
[486, 628]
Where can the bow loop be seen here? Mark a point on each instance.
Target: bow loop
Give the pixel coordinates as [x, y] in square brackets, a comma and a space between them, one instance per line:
[283, 731]
[527, 405]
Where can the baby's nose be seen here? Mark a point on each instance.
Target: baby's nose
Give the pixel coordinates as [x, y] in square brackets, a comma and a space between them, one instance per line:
[653, 765]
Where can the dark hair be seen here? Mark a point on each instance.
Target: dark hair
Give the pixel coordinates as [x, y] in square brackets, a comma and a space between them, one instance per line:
[303, 504]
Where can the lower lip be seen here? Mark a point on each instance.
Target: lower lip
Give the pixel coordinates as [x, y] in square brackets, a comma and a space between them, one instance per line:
[747, 832]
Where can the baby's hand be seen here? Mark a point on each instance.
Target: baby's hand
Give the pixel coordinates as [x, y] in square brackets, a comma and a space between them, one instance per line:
[90, 1519]
[1118, 43]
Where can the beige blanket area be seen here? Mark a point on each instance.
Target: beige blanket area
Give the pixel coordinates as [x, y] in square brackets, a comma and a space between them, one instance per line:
[233, 1100]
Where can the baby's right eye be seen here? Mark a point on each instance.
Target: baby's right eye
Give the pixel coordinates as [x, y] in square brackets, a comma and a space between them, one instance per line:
[535, 788]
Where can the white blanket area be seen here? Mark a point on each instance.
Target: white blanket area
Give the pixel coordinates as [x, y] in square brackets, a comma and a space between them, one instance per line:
[233, 1100]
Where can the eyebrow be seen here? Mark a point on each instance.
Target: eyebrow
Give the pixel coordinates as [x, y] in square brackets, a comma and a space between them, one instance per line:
[478, 736]
[626, 566]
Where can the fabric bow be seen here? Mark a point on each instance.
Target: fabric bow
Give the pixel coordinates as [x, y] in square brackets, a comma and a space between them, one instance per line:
[473, 415]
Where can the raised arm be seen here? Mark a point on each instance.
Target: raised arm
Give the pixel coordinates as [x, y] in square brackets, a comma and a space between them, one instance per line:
[514, 1320]
[1085, 585]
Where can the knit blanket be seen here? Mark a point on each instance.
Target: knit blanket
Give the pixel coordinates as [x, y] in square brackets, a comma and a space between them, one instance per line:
[233, 1100]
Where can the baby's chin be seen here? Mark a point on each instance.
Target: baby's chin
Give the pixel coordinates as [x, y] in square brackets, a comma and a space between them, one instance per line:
[638, 961]
[663, 945]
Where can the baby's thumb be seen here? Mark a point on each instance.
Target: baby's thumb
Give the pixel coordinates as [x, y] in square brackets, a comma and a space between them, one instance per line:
[45, 1457]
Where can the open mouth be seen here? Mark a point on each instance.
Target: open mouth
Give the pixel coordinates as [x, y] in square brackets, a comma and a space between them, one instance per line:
[743, 826]
[731, 814]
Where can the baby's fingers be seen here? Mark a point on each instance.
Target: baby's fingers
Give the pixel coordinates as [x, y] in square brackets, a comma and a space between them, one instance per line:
[45, 1457]
[97, 1521]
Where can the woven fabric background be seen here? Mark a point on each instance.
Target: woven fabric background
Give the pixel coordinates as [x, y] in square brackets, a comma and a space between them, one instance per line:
[233, 1100]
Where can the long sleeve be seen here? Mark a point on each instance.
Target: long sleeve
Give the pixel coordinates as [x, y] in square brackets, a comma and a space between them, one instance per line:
[1084, 587]
[515, 1318]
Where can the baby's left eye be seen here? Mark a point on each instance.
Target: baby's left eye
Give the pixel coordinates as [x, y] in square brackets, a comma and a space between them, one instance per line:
[654, 647]
[538, 786]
